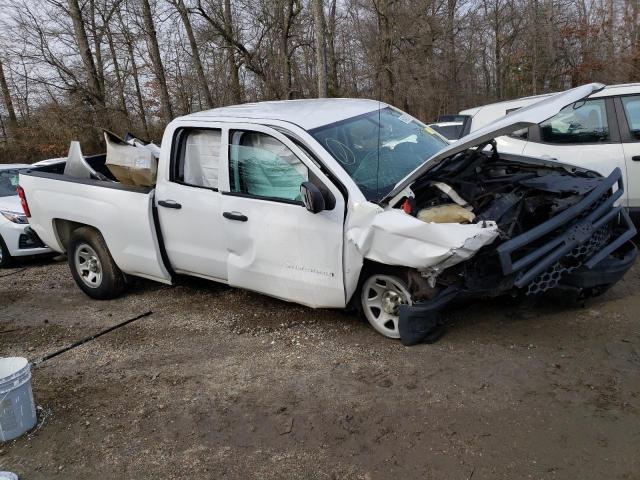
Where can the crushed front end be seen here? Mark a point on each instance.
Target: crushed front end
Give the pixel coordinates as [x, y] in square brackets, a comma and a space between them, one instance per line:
[558, 229]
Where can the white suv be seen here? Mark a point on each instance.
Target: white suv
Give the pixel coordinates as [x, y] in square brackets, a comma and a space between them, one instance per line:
[600, 133]
[16, 238]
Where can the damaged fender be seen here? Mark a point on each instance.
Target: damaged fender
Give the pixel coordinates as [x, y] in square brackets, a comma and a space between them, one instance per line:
[394, 238]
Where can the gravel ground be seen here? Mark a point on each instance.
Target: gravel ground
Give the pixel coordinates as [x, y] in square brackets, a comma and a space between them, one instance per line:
[221, 383]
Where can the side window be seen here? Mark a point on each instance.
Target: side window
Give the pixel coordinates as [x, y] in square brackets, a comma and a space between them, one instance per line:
[581, 122]
[632, 111]
[262, 166]
[199, 158]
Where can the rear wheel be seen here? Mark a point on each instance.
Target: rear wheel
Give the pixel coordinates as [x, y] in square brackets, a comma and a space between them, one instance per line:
[6, 260]
[92, 267]
[381, 295]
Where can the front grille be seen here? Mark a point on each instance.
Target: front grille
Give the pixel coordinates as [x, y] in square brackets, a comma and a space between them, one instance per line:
[579, 235]
[574, 259]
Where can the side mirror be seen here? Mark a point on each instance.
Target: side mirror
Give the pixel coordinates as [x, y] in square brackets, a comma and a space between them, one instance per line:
[312, 197]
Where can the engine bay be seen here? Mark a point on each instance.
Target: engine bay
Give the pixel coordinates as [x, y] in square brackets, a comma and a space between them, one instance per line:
[480, 186]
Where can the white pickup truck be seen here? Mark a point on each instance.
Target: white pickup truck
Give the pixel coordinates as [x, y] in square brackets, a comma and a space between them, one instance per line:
[339, 202]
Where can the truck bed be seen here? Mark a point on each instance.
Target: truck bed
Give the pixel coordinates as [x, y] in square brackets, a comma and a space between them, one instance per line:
[123, 214]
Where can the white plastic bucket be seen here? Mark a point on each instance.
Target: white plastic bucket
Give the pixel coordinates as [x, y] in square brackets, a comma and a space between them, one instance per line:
[17, 410]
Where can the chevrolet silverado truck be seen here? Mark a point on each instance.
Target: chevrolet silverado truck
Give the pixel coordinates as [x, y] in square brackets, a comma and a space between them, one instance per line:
[342, 202]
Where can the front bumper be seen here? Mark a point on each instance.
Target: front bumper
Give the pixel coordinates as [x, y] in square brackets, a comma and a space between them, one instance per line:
[580, 237]
[21, 240]
[586, 248]
[608, 271]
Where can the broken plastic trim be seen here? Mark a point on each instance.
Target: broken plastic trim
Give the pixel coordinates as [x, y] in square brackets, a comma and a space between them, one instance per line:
[421, 321]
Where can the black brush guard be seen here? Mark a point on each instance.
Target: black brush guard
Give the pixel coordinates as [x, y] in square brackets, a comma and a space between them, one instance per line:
[586, 238]
[581, 233]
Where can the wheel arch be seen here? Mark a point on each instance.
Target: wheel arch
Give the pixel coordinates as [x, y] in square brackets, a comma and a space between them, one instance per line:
[417, 283]
[63, 230]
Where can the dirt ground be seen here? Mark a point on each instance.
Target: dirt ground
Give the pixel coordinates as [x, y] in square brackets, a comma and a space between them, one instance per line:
[221, 383]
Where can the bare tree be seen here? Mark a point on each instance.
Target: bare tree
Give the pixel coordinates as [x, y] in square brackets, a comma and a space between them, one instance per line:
[84, 49]
[195, 52]
[321, 47]
[6, 95]
[156, 60]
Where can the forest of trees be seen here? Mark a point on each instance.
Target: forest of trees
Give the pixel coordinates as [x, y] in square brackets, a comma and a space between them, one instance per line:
[69, 68]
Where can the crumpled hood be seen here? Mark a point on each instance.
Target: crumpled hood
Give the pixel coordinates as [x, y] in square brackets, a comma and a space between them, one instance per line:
[522, 118]
[11, 203]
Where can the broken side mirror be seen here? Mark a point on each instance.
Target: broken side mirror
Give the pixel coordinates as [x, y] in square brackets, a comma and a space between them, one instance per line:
[312, 197]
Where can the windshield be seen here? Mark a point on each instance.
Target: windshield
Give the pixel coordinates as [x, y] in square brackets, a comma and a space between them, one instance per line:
[379, 148]
[8, 182]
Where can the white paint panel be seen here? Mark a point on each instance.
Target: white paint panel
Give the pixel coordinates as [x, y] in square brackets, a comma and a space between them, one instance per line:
[122, 217]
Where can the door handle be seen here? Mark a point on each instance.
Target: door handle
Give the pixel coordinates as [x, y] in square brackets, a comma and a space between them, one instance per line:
[636, 158]
[169, 204]
[235, 216]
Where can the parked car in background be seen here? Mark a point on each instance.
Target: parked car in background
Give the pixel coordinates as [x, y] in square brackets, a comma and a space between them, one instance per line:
[16, 238]
[336, 202]
[452, 127]
[451, 130]
[601, 133]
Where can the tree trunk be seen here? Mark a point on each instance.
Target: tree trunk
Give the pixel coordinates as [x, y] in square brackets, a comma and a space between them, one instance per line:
[97, 46]
[452, 67]
[156, 60]
[232, 65]
[497, 50]
[118, 73]
[197, 63]
[286, 19]
[95, 90]
[136, 77]
[321, 52]
[385, 68]
[6, 95]
[331, 51]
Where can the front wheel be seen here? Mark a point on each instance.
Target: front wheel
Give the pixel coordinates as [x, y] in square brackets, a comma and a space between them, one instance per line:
[380, 298]
[92, 267]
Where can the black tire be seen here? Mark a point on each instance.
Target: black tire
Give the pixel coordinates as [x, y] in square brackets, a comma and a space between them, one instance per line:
[88, 241]
[6, 260]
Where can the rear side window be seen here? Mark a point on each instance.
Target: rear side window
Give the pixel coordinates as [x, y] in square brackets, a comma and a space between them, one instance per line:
[581, 122]
[262, 166]
[199, 158]
[632, 111]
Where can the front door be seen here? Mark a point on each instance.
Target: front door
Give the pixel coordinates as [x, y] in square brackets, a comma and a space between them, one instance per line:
[629, 117]
[275, 246]
[584, 134]
[189, 204]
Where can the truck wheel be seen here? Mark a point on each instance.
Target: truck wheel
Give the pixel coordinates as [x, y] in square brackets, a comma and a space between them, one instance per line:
[380, 297]
[6, 260]
[91, 265]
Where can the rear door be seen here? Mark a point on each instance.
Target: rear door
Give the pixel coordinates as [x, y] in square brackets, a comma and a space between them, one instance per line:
[584, 134]
[275, 246]
[189, 203]
[628, 108]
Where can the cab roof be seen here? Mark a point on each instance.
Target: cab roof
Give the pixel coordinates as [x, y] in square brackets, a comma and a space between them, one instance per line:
[11, 166]
[307, 114]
